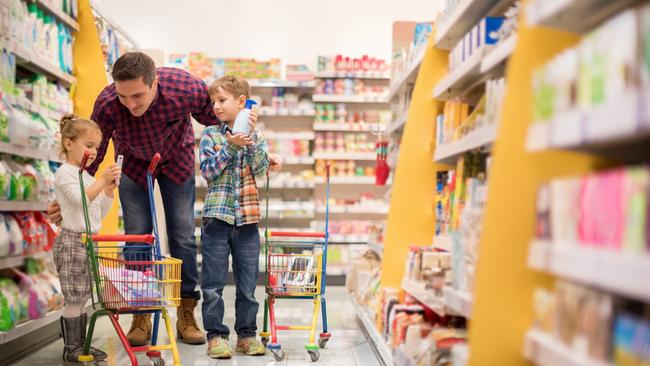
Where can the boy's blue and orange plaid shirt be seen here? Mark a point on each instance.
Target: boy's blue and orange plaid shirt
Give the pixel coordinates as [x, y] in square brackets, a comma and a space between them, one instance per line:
[230, 171]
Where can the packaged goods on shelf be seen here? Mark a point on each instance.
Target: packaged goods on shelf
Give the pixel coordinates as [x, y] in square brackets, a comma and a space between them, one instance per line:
[428, 267]
[366, 204]
[112, 42]
[38, 34]
[283, 102]
[299, 72]
[583, 96]
[475, 41]
[346, 64]
[304, 179]
[597, 210]
[210, 68]
[338, 142]
[23, 181]
[405, 55]
[509, 26]
[348, 86]
[360, 274]
[343, 168]
[289, 148]
[339, 114]
[460, 119]
[344, 227]
[594, 325]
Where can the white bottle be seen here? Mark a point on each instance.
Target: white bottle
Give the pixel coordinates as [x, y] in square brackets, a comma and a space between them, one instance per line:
[241, 122]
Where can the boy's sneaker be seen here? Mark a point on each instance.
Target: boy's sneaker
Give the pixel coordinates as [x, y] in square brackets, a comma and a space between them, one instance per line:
[219, 348]
[250, 346]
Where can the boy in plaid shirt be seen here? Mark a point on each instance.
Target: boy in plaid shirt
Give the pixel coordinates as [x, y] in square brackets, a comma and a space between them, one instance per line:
[231, 214]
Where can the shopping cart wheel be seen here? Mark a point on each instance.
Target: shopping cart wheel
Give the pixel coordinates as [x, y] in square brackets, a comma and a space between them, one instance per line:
[314, 355]
[278, 354]
[158, 361]
[322, 342]
[265, 341]
[86, 359]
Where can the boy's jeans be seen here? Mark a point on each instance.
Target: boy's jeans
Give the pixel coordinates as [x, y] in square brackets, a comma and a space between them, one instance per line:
[218, 240]
[179, 217]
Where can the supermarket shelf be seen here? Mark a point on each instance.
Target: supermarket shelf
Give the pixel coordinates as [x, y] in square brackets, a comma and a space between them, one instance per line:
[426, 297]
[442, 242]
[576, 16]
[366, 180]
[23, 151]
[19, 260]
[622, 273]
[261, 83]
[286, 114]
[22, 206]
[352, 75]
[26, 59]
[465, 16]
[289, 185]
[326, 98]
[341, 127]
[59, 14]
[409, 73]
[377, 248]
[593, 131]
[343, 210]
[398, 123]
[479, 137]
[459, 79]
[345, 156]
[458, 301]
[498, 54]
[375, 338]
[545, 350]
[348, 239]
[302, 160]
[306, 135]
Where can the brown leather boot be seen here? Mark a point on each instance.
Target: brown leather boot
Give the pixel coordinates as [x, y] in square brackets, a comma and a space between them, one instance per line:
[140, 332]
[187, 329]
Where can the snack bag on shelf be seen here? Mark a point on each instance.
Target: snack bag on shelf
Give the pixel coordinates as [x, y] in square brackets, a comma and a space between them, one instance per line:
[36, 299]
[9, 305]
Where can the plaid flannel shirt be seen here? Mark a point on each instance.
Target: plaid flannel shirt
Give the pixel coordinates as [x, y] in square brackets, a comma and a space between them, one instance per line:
[165, 127]
[230, 171]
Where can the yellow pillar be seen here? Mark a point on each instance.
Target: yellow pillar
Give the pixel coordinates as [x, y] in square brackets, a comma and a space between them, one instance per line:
[91, 79]
[503, 307]
[411, 219]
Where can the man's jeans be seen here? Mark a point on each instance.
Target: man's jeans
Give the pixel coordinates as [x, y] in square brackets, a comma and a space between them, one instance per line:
[218, 241]
[178, 202]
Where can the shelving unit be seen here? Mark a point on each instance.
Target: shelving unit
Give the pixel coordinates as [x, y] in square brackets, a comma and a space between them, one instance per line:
[576, 16]
[352, 180]
[545, 350]
[409, 73]
[22, 206]
[397, 124]
[345, 128]
[460, 78]
[616, 272]
[344, 156]
[376, 247]
[499, 54]
[27, 59]
[477, 138]
[463, 18]
[376, 340]
[458, 301]
[326, 98]
[426, 297]
[19, 260]
[48, 8]
[352, 75]
[281, 83]
[288, 114]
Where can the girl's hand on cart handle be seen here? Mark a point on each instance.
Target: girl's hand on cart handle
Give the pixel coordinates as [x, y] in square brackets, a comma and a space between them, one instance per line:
[239, 139]
[54, 213]
[154, 163]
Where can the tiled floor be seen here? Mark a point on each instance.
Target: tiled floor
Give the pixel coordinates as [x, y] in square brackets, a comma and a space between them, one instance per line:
[347, 347]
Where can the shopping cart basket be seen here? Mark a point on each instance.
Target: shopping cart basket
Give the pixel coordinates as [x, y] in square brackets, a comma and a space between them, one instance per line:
[295, 268]
[131, 279]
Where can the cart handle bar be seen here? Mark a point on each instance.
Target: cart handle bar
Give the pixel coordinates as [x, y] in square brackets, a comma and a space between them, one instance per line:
[296, 234]
[154, 163]
[147, 238]
[84, 161]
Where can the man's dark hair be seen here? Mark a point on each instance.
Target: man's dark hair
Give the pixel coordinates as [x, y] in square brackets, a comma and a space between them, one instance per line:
[133, 65]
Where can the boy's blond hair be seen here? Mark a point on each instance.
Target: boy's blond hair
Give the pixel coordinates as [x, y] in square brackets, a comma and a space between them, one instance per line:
[234, 85]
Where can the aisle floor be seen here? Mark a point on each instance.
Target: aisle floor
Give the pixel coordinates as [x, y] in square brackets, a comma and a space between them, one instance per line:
[348, 345]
